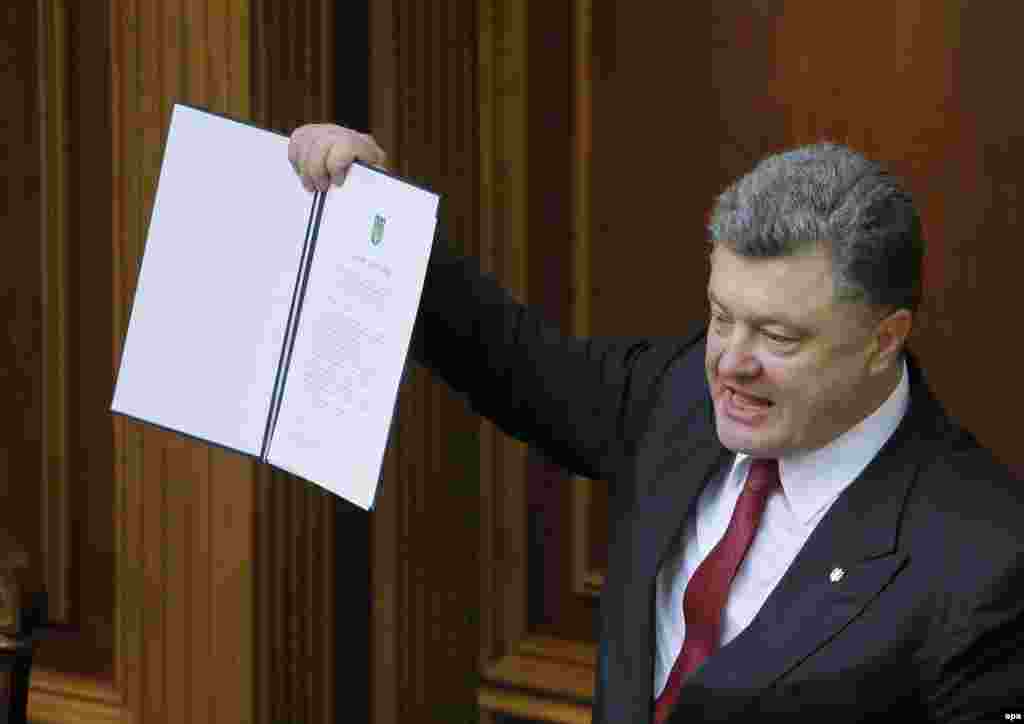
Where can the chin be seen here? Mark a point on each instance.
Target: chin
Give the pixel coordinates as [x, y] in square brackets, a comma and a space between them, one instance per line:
[746, 441]
[738, 443]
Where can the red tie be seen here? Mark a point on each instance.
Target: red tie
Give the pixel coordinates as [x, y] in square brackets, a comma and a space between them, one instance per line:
[708, 588]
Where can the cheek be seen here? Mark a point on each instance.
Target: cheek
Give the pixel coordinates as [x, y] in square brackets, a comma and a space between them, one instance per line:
[810, 392]
[797, 390]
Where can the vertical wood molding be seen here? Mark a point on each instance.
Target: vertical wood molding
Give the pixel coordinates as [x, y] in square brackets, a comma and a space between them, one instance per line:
[184, 512]
[464, 134]
[587, 578]
[53, 165]
[24, 289]
[490, 441]
[503, 109]
[202, 603]
[524, 674]
[580, 161]
[429, 519]
[77, 460]
[386, 677]
[296, 608]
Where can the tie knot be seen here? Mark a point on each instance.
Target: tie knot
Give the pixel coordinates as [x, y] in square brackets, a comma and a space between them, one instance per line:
[764, 475]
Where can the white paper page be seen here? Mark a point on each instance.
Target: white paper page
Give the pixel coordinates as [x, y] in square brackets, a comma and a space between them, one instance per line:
[215, 286]
[354, 333]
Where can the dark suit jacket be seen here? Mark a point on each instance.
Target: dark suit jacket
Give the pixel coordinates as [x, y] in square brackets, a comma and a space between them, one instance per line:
[928, 621]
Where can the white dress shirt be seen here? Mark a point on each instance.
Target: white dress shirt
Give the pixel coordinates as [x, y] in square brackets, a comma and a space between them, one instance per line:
[811, 483]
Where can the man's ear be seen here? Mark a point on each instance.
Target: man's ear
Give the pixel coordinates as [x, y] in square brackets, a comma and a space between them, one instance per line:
[890, 337]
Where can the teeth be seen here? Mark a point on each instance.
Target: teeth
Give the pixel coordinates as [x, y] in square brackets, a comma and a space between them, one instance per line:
[747, 400]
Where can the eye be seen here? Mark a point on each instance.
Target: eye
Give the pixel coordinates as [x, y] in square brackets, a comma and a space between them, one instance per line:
[780, 338]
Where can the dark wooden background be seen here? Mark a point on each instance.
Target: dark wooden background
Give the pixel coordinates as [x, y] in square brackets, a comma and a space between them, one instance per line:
[463, 581]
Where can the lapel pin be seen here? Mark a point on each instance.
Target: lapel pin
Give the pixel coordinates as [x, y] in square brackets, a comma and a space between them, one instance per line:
[837, 575]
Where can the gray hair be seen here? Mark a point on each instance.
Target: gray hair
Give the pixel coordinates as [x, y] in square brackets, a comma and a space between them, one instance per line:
[828, 194]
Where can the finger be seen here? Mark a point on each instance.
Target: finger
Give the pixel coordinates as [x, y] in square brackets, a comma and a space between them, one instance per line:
[366, 149]
[295, 147]
[375, 155]
[322, 153]
[314, 163]
[339, 158]
[370, 151]
[299, 147]
[349, 146]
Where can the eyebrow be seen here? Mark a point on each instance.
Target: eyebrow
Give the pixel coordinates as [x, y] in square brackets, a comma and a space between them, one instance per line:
[763, 321]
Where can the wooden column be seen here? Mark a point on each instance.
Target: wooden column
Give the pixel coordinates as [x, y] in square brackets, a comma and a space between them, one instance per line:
[306, 595]
[444, 471]
[187, 584]
[185, 512]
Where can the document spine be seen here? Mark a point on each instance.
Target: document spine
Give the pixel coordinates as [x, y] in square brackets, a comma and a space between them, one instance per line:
[294, 312]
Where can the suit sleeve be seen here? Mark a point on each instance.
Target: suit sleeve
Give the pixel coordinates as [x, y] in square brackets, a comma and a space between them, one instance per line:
[979, 651]
[584, 403]
[983, 675]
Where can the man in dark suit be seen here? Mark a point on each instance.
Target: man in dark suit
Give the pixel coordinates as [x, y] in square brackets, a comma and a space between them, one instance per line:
[796, 527]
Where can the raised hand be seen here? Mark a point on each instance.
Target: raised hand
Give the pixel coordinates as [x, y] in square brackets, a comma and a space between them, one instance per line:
[321, 153]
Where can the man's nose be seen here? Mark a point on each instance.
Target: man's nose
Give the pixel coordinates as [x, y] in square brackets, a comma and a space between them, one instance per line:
[738, 359]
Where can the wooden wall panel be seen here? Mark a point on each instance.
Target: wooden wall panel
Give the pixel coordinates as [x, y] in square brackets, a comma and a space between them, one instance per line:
[53, 167]
[504, 87]
[185, 584]
[186, 512]
[22, 282]
[79, 455]
[540, 666]
[312, 578]
[559, 47]
[427, 525]
[669, 133]
[451, 97]
[927, 101]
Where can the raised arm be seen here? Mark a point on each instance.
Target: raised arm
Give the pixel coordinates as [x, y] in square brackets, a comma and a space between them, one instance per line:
[582, 402]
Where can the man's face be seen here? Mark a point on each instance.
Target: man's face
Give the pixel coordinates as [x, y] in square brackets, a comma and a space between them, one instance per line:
[787, 364]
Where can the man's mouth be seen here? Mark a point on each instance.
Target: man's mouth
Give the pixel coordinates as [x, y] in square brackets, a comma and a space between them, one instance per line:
[745, 400]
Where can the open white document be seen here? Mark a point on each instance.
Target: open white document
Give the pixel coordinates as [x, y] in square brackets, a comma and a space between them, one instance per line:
[269, 320]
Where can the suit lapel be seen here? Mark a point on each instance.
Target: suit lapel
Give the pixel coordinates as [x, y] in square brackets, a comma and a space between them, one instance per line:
[680, 460]
[848, 559]
[672, 463]
[814, 601]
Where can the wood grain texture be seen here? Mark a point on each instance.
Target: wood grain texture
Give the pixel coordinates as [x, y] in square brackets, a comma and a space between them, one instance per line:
[387, 679]
[302, 596]
[77, 448]
[185, 582]
[426, 526]
[531, 708]
[23, 283]
[171, 630]
[53, 166]
[506, 207]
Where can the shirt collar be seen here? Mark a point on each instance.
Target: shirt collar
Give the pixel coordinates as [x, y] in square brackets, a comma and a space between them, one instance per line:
[812, 480]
